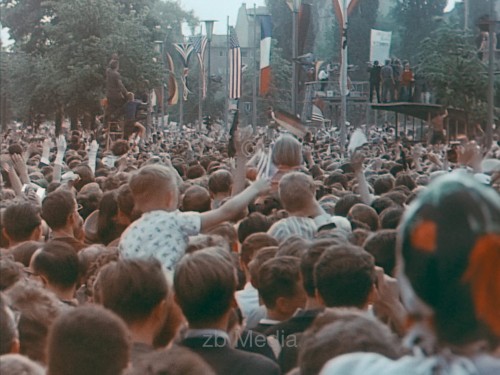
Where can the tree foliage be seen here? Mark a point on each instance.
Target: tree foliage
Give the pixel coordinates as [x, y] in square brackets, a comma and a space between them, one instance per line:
[448, 61]
[414, 21]
[61, 50]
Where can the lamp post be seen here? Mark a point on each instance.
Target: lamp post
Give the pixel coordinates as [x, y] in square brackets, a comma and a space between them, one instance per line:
[159, 49]
[209, 30]
[295, 30]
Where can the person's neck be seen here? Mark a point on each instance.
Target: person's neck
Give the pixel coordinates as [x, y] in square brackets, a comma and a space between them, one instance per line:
[143, 333]
[63, 232]
[220, 324]
[312, 304]
[311, 210]
[62, 294]
[276, 315]
[155, 206]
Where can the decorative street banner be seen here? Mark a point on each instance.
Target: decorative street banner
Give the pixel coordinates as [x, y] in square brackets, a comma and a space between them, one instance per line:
[380, 45]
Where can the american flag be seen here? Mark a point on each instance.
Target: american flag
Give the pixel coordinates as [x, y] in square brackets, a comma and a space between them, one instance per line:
[199, 45]
[234, 65]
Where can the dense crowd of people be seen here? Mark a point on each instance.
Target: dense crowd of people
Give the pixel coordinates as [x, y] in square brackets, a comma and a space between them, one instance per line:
[293, 256]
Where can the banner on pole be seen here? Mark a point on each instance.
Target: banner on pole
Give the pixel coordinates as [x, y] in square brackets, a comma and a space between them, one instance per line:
[380, 45]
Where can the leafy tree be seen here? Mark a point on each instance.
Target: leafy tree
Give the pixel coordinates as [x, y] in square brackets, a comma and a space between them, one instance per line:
[415, 20]
[449, 63]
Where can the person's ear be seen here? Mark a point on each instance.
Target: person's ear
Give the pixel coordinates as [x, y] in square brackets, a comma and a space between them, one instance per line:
[318, 297]
[373, 296]
[6, 235]
[44, 280]
[15, 347]
[234, 304]
[36, 235]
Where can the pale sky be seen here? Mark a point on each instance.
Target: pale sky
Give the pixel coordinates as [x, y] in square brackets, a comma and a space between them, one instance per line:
[218, 10]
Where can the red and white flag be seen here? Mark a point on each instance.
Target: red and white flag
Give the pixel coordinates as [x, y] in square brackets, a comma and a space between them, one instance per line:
[266, 26]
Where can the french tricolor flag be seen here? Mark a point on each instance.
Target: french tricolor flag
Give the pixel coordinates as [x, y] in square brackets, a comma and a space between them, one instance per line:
[266, 26]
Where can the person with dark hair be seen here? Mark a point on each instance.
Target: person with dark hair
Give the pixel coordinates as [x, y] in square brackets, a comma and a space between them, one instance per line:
[390, 217]
[280, 288]
[88, 340]
[340, 331]
[248, 297]
[60, 212]
[379, 204]
[196, 198]
[345, 203]
[173, 361]
[131, 125]
[136, 290]
[375, 80]
[382, 245]
[21, 222]
[437, 122]
[36, 309]
[57, 267]
[220, 185]
[383, 184]
[253, 223]
[116, 92]
[345, 277]
[204, 285]
[388, 82]
[365, 214]
[9, 339]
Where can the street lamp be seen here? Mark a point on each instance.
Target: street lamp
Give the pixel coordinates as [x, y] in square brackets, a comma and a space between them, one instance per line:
[209, 29]
[295, 83]
[159, 49]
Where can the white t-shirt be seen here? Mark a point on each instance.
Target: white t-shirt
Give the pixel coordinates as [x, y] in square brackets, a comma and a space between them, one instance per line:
[161, 234]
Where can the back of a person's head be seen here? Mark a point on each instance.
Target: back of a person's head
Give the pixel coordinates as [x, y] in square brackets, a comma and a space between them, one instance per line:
[262, 256]
[132, 288]
[220, 181]
[10, 272]
[294, 245]
[20, 220]
[287, 151]
[365, 214]
[383, 184]
[404, 179]
[58, 263]
[38, 308]
[228, 233]
[279, 277]
[152, 180]
[398, 197]
[17, 364]
[196, 198]
[195, 171]
[253, 244]
[348, 331]
[23, 252]
[390, 217]
[204, 284]
[345, 203]
[309, 260]
[296, 191]
[344, 276]
[359, 236]
[336, 178]
[9, 339]
[382, 245]
[176, 360]
[379, 204]
[253, 223]
[57, 207]
[88, 340]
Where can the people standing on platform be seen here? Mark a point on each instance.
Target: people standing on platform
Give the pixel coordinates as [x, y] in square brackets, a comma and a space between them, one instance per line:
[437, 123]
[397, 71]
[323, 76]
[387, 77]
[375, 80]
[407, 80]
[132, 126]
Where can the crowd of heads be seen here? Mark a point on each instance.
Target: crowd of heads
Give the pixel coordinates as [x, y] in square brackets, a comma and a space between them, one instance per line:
[176, 259]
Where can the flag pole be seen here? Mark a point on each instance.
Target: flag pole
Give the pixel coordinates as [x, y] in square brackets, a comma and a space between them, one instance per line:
[254, 82]
[343, 83]
[226, 114]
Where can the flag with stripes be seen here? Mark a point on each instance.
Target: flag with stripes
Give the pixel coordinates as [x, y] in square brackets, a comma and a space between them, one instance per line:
[234, 65]
[317, 115]
[173, 92]
[185, 50]
[199, 46]
[266, 27]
